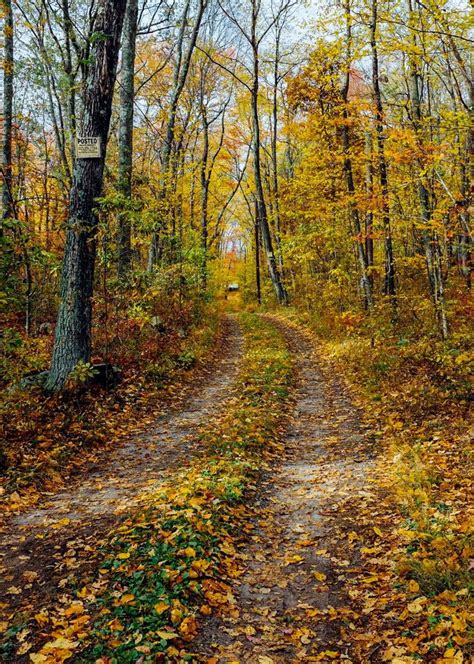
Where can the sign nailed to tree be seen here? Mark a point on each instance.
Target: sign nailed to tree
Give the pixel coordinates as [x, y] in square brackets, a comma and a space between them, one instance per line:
[88, 147]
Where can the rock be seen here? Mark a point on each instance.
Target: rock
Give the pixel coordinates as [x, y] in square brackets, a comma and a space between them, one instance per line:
[45, 329]
[105, 374]
[33, 378]
[158, 325]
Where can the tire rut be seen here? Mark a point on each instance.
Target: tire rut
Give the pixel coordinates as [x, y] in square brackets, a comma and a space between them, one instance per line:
[43, 547]
[292, 580]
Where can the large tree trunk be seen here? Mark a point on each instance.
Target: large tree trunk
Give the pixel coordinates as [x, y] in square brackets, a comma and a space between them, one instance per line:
[72, 342]
[7, 172]
[127, 96]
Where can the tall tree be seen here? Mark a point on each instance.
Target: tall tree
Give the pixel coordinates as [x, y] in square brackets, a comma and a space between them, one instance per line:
[347, 164]
[429, 235]
[72, 342]
[185, 51]
[127, 99]
[389, 287]
[7, 168]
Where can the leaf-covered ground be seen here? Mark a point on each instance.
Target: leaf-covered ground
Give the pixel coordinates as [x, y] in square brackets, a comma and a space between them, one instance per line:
[291, 518]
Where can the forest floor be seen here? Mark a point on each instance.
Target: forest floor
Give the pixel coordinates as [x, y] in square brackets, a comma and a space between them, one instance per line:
[301, 572]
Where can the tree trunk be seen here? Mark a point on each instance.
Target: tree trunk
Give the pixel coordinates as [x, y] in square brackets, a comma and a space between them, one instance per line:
[204, 193]
[127, 97]
[389, 287]
[257, 256]
[69, 71]
[180, 76]
[274, 139]
[7, 171]
[369, 217]
[72, 342]
[348, 171]
[275, 276]
[430, 240]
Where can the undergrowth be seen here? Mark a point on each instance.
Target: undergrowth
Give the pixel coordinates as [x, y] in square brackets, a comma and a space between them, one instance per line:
[45, 438]
[415, 393]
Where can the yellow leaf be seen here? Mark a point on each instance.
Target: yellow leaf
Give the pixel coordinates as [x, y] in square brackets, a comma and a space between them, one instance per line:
[413, 586]
[42, 618]
[37, 658]
[263, 659]
[319, 576]
[74, 610]
[23, 649]
[188, 627]
[377, 531]
[167, 636]
[123, 556]
[294, 559]
[417, 605]
[61, 524]
[161, 607]
[126, 599]
[60, 644]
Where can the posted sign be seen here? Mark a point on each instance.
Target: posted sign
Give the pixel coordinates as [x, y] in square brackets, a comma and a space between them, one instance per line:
[88, 147]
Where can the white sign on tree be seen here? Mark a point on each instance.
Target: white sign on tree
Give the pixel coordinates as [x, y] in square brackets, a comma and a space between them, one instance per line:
[88, 147]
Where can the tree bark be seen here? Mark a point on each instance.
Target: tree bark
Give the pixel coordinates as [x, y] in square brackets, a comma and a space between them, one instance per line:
[127, 98]
[430, 240]
[347, 167]
[72, 342]
[7, 168]
[180, 76]
[204, 193]
[275, 276]
[390, 286]
[257, 257]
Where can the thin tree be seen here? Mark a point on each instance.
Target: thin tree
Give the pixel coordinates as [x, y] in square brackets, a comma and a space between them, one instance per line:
[347, 165]
[254, 38]
[183, 63]
[429, 236]
[390, 286]
[125, 143]
[7, 168]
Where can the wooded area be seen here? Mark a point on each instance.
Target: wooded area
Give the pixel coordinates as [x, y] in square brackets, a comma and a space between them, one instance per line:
[246, 206]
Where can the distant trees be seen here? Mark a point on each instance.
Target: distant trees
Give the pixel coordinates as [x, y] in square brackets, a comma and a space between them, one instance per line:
[340, 166]
[400, 142]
